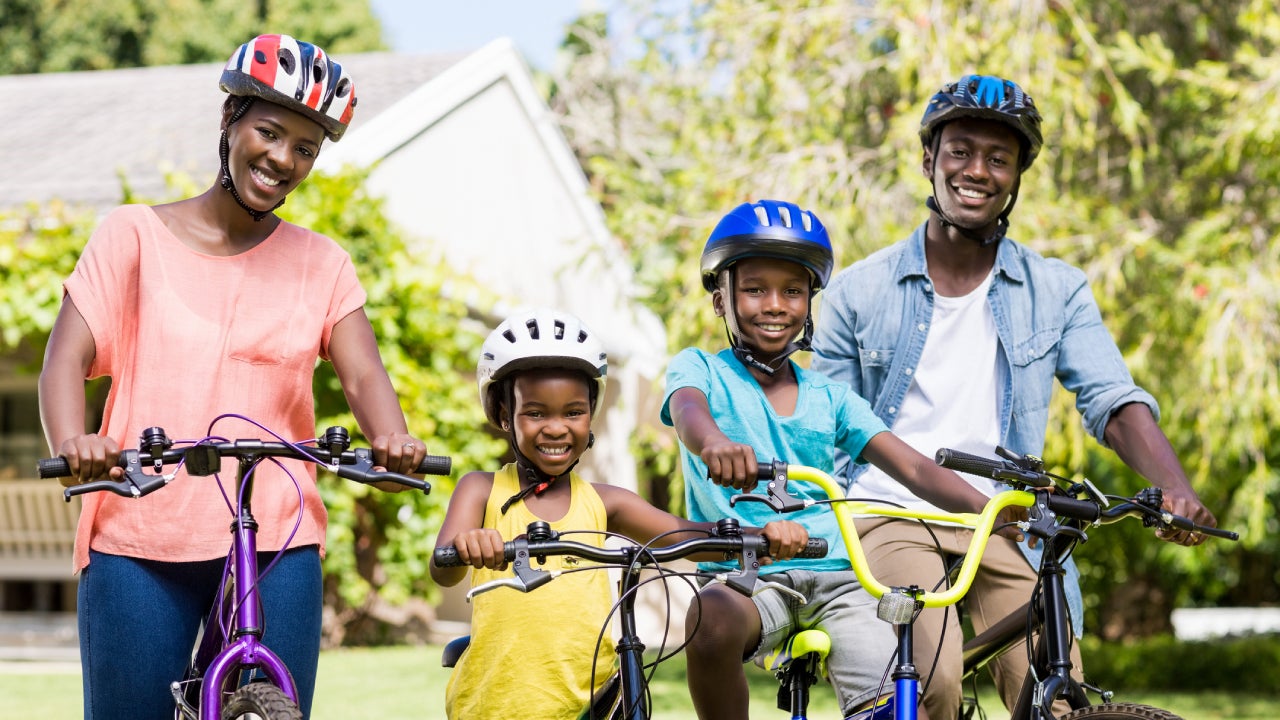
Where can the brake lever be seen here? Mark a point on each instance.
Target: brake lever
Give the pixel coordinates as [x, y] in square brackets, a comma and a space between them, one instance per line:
[779, 497]
[526, 577]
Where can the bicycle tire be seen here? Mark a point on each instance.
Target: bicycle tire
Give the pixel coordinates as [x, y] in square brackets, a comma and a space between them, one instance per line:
[1120, 711]
[260, 701]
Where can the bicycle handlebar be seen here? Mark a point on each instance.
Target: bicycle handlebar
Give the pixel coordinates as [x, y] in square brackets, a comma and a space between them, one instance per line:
[1043, 505]
[204, 458]
[1146, 505]
[541, 542]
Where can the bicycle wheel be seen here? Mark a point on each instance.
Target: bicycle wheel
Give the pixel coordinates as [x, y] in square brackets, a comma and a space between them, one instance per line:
[260, 701]
[1120, 711]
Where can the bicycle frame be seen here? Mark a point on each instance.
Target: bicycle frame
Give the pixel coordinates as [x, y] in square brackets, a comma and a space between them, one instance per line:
[223, 659]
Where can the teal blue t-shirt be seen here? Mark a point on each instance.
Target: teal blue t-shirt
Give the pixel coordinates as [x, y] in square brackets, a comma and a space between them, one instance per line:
[828, 415]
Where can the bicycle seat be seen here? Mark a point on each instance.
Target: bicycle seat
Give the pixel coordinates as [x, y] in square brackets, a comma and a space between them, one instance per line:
[453, 651]
[798, 645]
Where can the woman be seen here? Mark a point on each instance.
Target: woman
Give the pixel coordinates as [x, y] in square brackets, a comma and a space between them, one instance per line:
[204, 306]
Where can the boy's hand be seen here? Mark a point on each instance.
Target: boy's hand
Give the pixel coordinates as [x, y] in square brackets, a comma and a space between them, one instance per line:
[730, 464]
[1005, 526]
[786, 539]
[481, 548]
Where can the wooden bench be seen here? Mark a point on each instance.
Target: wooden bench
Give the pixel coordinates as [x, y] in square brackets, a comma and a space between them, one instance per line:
[37, 531]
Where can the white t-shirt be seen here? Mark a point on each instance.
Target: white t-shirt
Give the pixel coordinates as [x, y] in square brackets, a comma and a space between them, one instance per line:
[952, 401]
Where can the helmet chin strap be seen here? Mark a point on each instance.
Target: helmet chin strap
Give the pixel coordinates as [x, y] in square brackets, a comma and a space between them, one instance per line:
[224, 152]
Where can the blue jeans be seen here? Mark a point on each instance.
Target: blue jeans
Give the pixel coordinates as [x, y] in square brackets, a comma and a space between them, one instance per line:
[139, 620]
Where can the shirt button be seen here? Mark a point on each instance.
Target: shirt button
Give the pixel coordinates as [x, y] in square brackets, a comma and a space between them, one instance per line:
[921, 327]
[874, 354]
[907, 371]
[893, 411]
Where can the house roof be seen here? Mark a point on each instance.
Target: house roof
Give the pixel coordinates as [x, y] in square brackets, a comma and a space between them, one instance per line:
[73, 135]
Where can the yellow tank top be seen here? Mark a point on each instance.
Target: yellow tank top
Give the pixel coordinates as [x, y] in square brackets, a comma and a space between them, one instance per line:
[531, 653]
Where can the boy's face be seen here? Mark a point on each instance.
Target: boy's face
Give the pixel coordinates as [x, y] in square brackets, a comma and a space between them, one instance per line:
[771, 303]
[976, 170]
[552, 417]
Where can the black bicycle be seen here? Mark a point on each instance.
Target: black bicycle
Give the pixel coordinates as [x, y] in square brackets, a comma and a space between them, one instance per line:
[625, 696]
[1059, 512]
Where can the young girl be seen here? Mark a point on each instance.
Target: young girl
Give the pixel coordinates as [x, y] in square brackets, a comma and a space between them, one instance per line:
[542, 378]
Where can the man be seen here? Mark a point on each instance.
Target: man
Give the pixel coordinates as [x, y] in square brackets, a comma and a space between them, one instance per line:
[955, 336]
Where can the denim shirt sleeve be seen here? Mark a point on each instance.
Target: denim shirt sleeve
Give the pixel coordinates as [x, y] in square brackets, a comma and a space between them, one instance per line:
[1051, 328]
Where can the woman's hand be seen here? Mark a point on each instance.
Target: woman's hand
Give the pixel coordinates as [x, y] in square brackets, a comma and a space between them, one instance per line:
[90, 457]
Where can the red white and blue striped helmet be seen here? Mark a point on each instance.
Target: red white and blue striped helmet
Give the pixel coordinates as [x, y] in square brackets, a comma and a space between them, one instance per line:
[296, 75]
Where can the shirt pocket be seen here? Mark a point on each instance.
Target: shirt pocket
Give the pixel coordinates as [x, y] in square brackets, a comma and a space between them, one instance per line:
[269, 335]
[1034, 362]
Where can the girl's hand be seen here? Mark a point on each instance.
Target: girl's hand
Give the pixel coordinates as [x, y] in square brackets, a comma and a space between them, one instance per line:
[90, 457]
[481, 548]
[786, 539]
[730, 464]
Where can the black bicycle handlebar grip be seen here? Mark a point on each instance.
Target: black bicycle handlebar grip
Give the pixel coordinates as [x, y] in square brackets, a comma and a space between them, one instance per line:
[435, 465]
[972, 464]
[55, 467]
[817, 548]
[447, 556]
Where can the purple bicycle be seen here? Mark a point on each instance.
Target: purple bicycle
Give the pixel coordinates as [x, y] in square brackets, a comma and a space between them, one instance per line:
[233, 674]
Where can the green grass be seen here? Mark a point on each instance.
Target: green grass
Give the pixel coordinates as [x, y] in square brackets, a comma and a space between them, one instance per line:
[408, 682]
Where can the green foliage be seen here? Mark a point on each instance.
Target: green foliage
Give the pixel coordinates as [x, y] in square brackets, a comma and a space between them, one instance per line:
[1162, 663]
[39, 36]
[38, 249]
[1158, 178]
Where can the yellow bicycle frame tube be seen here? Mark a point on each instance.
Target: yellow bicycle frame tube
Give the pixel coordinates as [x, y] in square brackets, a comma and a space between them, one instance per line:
[981, 523]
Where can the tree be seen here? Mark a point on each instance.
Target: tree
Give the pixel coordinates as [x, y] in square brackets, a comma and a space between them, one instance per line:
[40, 36]
[1158, 178]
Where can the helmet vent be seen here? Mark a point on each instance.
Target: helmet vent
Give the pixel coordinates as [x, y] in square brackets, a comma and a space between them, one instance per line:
[510, 336]
[259, 57]
[806, 219]
[533, 329]
[762, 215]
[582, 336]
[559, 330]
[287, 61]
[784, 212]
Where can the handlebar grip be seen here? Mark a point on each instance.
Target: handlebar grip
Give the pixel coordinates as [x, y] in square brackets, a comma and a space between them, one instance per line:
[55, 467]
[1086, 510]
[972, 464]
[817, 548]
[435, 465]
[447, 556]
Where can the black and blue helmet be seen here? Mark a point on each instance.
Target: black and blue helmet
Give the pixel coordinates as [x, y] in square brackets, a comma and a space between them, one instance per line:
[773, 229]
[988, 98]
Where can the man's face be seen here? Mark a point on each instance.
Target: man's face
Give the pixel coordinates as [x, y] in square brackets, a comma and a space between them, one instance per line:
[975, 171]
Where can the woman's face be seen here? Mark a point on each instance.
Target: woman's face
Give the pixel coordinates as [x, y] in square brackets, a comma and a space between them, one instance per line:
[271, 150]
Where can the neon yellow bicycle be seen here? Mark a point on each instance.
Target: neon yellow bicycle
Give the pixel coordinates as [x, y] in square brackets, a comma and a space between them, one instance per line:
[1058, 512]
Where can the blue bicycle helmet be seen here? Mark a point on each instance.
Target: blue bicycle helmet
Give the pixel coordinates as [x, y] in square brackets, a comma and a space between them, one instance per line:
[988, 98]
[768, 228]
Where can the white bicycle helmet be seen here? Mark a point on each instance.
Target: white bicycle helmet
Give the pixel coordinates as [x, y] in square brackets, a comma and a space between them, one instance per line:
[539, 338]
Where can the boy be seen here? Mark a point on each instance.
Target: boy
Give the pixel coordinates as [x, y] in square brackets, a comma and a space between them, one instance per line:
[763, 264]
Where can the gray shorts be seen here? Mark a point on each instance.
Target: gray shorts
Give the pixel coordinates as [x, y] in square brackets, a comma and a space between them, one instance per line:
[862, 645]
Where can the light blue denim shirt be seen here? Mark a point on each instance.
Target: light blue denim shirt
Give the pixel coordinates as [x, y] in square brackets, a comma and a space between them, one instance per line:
[876, 313]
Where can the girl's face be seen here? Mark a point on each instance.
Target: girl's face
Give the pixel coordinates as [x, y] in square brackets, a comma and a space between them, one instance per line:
[552, 417]
[770, 303]
[271, 151]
